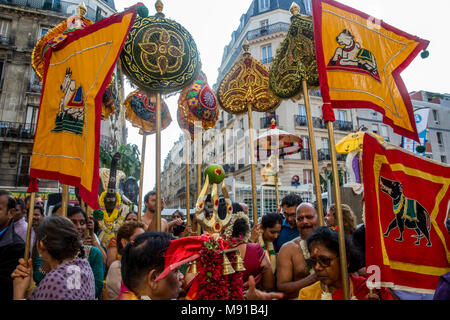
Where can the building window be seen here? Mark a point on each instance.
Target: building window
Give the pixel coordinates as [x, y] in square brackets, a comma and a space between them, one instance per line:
[31, 119]
[325, 143]
[374, 128]
[307, 176]
[2, 63]
[308, 7]
[264, 5]
[100, 14]
[435, 116]
[301, 110]
[23, 170]
[5, 26]
[443, 159]
[342, 116]
[267, 54]
[384, 131]
[440, 139]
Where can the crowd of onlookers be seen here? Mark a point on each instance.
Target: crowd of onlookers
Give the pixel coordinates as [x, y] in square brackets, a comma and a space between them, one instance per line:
[286, 254]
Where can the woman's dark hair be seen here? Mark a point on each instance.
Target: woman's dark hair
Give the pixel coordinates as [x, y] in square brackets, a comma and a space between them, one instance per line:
[270, 220]
[72, 210]
[359, 243]
[60, 237]
[131, 212]
[56, 207]
[125, 231]
[222, 209]
[348, 217]
[147, 252]
[330, 239]
[179, 213]
[240, 228]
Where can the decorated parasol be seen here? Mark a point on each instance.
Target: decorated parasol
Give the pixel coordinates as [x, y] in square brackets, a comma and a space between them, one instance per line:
[141, 113]
[160, 57]
[353, 142]
[244, 88]
[197, 111]
[278, 143]
[294, 68]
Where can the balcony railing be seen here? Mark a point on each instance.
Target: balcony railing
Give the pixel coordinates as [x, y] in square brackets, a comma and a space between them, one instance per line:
[318, 123]
[266, 60]
[7, 40]
[276, 27]
[301, 121]
[17, 130]
[305, 154]
[323, 155]
[343, 125]
[266, 122]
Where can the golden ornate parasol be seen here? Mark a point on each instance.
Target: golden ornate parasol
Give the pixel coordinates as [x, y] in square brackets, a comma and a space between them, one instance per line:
[244, 88]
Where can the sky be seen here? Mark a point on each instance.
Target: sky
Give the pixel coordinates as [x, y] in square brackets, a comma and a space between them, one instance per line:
[211, 23]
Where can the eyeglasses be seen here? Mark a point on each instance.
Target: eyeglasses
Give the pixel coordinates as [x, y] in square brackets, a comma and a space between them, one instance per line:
[289, 215]
[324, 262]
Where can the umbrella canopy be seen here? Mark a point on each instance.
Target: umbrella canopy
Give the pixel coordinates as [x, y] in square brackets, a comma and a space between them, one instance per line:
[279, 142]
[353, 141]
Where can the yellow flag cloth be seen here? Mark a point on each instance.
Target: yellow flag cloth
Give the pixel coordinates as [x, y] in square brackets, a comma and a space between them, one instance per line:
[77, 71]
[359, 60]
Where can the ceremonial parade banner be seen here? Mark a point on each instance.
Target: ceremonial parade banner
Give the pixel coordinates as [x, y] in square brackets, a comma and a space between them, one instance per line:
[359, 60]
[406, 207]
[77, 71]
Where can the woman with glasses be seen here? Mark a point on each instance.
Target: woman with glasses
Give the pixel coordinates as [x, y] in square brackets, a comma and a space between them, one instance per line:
[323, 245]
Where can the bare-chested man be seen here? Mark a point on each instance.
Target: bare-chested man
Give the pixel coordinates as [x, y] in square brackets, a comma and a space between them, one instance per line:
[293, 273]
[150, 213]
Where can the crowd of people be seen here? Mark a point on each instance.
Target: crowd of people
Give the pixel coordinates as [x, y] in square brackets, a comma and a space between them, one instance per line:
[286, 254]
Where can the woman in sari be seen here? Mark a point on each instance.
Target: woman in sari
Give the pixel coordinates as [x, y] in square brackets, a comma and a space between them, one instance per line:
[323, 245]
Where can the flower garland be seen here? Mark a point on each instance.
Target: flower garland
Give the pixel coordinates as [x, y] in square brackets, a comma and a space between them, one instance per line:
[110, 223]
[268, 247]
[213, 284]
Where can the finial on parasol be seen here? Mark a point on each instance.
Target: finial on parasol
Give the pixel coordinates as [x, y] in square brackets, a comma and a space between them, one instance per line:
[81, 9]
[246, 46]
[294, 9]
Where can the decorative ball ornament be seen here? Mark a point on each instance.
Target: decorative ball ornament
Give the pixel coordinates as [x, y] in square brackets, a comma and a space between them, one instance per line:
[199, 103]
[141, 112]
[160, 55]
[295, 60]
[55, 36]
[247, 83]
[215, 173]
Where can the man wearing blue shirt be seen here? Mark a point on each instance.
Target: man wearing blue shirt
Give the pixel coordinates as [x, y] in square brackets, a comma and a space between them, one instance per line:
[289, 230]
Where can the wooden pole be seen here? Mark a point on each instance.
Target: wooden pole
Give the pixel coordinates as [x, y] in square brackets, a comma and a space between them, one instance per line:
[158, 162]
[141, 175]
[342, 249]
[65, 199]
[199, 173]
[252, 162]
[314, 158]
[188, 188]
[277, 194]
[29, 228]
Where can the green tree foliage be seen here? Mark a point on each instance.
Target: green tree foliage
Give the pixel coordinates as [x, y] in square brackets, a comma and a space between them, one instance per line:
[130, 162]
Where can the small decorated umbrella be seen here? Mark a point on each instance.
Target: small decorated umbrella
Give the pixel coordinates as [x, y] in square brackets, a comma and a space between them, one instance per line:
[197, 108]
[353, 142]
[55, 36]
[244, 88]
[141, 112]
[159, 56]
[280, 143]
